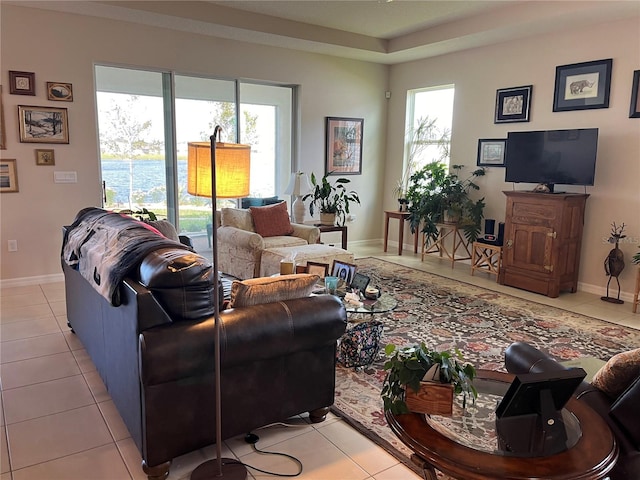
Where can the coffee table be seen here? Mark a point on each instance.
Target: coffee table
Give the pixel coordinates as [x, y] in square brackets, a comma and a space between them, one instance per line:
[384, 303]
[438, 444]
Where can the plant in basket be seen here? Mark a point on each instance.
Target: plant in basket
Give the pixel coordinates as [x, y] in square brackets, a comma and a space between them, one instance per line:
[405, 390]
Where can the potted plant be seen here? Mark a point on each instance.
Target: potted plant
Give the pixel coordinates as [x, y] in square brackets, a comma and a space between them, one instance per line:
[406, 368]
[437, 195]
[332, 200]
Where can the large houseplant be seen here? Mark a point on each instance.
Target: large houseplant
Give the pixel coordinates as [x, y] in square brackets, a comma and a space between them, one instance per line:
[407, 366]
[436, 195]
[330, 198]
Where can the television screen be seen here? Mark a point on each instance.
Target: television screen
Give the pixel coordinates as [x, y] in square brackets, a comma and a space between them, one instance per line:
[551, 157]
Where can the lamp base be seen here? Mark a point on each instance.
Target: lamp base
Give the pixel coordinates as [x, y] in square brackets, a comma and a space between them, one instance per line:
[231, 470]
[298, 210]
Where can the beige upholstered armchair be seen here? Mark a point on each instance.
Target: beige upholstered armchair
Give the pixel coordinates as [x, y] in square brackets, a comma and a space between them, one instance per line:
[240, 246]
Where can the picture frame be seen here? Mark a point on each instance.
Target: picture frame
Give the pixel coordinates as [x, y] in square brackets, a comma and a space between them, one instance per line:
[22, 83]
[344, 146]
[491, 152]
[45, 156]
[513, 104]
[8, 175]
[343, 270]
[634, 109]
[582, 86]
[3, 134]
[43, 124]
[320, 269]
[59, 92]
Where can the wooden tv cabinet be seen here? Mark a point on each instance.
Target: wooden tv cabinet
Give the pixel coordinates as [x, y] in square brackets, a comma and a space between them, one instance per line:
[542, 241]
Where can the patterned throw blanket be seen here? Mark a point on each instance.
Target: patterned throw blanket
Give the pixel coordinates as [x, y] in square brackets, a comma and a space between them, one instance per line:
[105, 246]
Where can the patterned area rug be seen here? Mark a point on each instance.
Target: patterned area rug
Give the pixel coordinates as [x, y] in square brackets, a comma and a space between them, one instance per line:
[445, 314]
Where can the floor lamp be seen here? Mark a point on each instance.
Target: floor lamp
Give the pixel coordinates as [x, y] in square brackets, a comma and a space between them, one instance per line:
[218, 170]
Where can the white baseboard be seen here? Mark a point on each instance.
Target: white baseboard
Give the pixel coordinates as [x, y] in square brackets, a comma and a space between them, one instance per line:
[24, 281]
[602, 291]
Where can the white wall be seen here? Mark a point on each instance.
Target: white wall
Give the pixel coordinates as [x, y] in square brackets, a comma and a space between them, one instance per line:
[478, 73]
[64, 48]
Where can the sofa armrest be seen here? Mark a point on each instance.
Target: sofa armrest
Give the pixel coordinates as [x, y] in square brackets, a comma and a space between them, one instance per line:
[249, 334]
[242, 239]
[310, 233]
[520, 357]
[625, 411]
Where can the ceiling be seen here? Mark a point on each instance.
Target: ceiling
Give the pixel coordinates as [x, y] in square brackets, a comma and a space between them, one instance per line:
[379, 31]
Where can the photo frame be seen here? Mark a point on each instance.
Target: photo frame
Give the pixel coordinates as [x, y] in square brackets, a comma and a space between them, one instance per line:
[344, 146]
[343, 270]
[320, 269]
[513, 104]
[59, 92]
[8, 175]
[3, 134]
[491, 152]
[45, 156]
[43, 124]
[22, 83]
[582, 86]
[634, 109]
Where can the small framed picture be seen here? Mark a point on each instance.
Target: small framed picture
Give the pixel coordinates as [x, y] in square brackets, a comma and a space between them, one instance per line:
[634, 110]
[45, 157]
[320, 269]
[22, 83]
[43, 124]
[59, 92]
[582, 86]
[8, 175]
[491, 152]
[513, 104]
[344, 146]
[3, 135]
[360, 282]
[344, 271]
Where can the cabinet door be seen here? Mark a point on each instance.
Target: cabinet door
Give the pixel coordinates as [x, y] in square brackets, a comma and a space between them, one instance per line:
[529, 247]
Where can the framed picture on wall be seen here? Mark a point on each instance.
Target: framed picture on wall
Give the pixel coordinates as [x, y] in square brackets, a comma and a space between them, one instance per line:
[634, 110]
[491, 152]
[8, 175]
[344, 146]
[22, 83]
[45, 156]
[582, 86]
[3, 135]
[43, 124]
[59, 92]
[513, 104]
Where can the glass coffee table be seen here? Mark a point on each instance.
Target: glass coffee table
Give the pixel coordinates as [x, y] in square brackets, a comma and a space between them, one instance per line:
[383, 304]
[466, 445]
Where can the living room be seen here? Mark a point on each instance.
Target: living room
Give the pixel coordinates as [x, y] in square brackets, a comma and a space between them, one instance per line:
[64, 46]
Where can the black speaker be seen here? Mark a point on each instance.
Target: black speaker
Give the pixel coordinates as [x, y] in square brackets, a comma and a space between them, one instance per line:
[500, 239]
[489, 226]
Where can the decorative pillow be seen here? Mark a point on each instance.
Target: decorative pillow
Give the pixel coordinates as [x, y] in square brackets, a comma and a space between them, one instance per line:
[271, 289]
[235, 217]
[166, 228]
[618, 373]
[272, 220]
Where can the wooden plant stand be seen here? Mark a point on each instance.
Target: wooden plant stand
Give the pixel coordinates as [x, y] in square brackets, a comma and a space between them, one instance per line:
[486, 258]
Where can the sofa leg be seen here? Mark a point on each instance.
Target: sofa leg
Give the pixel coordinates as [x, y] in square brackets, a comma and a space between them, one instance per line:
[159, 472]
[318, 415]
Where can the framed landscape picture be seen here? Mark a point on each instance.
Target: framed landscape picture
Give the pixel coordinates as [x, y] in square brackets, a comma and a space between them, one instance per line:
[582, 86]
[3, 135]
[513, 104]
[43, 124]
[634, 110]
[491, 152]
[344, 146]
[59, 92]
[8, 175]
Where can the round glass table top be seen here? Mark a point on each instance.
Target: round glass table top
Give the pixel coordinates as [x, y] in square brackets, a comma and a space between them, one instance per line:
[384, 303]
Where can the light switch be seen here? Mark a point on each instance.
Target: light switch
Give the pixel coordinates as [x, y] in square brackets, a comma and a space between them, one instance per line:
[65, 177]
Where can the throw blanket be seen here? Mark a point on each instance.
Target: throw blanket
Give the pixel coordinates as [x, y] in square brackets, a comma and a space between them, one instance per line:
[104, 247]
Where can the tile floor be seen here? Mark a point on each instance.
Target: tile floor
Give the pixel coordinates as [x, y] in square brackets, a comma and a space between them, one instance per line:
[58, 422]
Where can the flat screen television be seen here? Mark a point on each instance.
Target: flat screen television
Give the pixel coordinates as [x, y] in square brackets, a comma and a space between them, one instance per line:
[550, 157]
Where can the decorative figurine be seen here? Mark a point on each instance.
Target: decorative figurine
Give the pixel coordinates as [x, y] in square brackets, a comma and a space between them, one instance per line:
[614, 263]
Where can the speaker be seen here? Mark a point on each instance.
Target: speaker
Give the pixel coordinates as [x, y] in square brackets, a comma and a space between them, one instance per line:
[500, 239]
[489, 226]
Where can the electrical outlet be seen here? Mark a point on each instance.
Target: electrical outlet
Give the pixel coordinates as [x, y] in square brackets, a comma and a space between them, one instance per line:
[12, 245]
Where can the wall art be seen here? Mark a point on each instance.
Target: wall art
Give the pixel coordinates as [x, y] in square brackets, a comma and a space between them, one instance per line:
[513, 104]
[634, 110]
[59, 92]
[8, 175]
[491, 152]
[582, 86]
[43, 124]
[344, 146]
[45, 156]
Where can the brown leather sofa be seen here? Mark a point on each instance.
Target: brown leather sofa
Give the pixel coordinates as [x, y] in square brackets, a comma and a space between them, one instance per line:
[621, 414]
[154, 353]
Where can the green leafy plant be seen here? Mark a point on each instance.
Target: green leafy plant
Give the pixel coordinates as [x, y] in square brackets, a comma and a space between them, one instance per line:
[141, 214]
[331, 198]
[407, 366]
[434, 192]
[636, 257]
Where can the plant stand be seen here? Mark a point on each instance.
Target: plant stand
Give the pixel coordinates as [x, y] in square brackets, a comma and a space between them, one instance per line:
[636, 301]
[486, 258]
[433, 398]
[450, 242]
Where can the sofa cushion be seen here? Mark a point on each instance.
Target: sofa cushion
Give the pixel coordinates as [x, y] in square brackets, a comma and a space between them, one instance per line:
[255, 291]
[166, 228]
[272, 220]
[618, 373]
[258, 202]
[238, 218]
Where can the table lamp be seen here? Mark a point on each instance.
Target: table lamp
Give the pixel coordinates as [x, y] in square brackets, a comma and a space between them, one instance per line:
[298, 186]
[218, 170]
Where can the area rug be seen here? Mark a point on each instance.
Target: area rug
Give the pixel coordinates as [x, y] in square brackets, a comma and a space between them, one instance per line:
[481, 323]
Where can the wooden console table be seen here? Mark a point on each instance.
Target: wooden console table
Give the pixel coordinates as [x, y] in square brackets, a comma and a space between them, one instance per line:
[450, 242]
[332, 228]
[401, 216]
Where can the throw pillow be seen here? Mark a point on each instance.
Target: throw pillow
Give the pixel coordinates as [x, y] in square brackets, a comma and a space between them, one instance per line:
[272, 220]
[618, 373]
[166, 228]
[255, 291]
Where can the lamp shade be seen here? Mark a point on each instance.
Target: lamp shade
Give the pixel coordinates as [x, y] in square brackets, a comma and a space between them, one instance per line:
[232, 162]
[298, 185]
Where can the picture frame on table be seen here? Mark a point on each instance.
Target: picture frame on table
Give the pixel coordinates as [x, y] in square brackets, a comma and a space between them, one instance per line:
[43, 124]
[45, 156]
[59, 92]
[491, 152]
[634, 109]
[22, 83]
[582, 86]
[8, 175]
[344, 271]
[320, 269]
[343, 146]
[513, 104]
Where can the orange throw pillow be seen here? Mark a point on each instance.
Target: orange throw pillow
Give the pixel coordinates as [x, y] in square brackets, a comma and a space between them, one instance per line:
[271, 220]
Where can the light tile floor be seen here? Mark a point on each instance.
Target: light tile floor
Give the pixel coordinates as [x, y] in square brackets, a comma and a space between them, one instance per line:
[58, 422]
